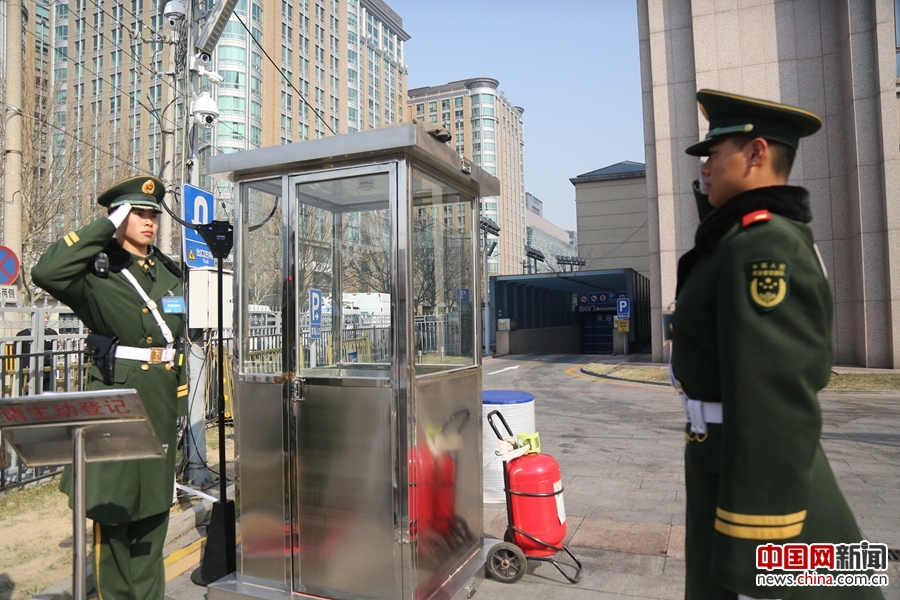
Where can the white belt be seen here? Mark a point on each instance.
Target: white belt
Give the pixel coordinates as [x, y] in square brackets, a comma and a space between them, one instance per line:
[147, 355]
[697, 412]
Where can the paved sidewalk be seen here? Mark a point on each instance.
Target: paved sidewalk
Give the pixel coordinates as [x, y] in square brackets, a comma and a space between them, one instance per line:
[620, 448]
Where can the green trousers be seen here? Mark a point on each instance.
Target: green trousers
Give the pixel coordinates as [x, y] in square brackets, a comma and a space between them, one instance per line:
[128, 559]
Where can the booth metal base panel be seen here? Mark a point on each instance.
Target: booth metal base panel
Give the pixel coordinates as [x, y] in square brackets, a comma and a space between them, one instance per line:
[463, 584]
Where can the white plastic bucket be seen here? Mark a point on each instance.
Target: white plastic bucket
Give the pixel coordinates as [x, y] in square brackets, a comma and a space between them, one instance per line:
[518, 410]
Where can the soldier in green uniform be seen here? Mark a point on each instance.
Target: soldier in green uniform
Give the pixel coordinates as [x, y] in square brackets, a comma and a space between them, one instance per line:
[752, 346]
[130, 296]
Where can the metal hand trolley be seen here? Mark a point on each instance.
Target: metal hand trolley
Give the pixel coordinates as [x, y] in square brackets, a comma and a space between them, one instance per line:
[538, 491]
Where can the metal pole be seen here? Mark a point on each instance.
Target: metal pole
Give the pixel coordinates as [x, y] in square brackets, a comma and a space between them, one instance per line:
[196, 472]
[220, 386]
[12, 192]
[79, 516]
[168, 158]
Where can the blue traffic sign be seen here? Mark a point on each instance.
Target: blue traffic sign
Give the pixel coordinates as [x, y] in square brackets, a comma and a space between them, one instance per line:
[197, 207]
[623, 308]
[315, 314]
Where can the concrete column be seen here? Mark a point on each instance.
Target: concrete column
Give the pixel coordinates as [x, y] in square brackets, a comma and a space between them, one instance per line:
[12, 196]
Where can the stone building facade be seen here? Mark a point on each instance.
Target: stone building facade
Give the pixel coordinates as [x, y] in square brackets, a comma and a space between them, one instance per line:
[835, 57]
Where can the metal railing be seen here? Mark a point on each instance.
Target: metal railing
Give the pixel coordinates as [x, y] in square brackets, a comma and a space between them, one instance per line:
[41, 350]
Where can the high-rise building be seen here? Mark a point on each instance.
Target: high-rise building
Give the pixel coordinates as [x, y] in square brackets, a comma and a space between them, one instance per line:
[533, 204]
[101, 77]
[550, 239]
[338, 68]
[488, 129]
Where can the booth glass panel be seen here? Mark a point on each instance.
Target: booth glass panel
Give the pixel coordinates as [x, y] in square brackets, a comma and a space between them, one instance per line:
[262, 289]
[443, 275]
[343, 274]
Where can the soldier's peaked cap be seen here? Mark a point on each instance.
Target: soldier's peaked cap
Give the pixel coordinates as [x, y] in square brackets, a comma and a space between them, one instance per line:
[144, 191]
[731, 114]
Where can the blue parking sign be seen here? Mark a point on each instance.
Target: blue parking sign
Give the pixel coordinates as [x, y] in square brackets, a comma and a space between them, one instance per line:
[197, 207]
[623, 308]
[315, 314]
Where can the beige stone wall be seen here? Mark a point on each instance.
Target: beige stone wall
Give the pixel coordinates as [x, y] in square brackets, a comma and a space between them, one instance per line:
[612, 224]
[835, 57]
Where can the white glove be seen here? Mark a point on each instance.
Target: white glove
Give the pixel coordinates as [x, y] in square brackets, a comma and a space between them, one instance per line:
[119, 215]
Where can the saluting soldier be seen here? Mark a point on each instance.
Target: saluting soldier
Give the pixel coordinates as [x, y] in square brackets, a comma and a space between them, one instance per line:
[130, 295]
[751, 349]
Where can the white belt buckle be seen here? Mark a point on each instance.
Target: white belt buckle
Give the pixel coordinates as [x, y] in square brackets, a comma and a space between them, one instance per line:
[698, 423]
[156, 355]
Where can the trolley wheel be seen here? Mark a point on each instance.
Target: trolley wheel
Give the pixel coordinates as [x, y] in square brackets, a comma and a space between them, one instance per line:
[506, 563]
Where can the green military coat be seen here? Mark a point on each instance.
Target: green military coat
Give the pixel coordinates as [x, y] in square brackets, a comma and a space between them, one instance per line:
[119, 492]
[753, 331]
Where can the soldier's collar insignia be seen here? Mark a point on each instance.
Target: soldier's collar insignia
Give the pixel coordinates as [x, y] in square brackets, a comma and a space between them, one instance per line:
[148, 187]
[768, 281]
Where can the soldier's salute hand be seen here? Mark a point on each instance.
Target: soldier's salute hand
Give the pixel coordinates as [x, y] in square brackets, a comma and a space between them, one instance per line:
[119, 215]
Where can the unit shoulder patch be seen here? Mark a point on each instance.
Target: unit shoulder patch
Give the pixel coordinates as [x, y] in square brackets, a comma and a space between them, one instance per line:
[768, 282]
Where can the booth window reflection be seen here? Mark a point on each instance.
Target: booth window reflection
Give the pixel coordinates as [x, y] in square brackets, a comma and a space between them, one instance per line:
[262, 287]
[343, 272]
[443, 275]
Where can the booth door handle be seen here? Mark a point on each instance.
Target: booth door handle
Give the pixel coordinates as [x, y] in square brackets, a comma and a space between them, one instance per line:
[298, 389]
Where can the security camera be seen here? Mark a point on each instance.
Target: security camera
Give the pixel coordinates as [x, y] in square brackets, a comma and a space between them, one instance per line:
[174, 13]
[198, 64]
[205, 111]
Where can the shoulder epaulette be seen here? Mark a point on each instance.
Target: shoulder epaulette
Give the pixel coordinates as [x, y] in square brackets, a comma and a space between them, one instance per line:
[757, 216]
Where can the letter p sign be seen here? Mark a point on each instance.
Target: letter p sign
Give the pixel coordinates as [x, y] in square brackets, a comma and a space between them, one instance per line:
[315, 313]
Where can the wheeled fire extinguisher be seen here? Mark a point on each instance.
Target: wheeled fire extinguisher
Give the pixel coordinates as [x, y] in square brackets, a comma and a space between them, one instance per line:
[536, 514]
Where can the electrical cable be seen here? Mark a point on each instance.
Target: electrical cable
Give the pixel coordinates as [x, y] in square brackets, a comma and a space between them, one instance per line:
[115, 87]
[283, 76]
[122, 6]
[77, 139]
[121, 25]
[619, 245]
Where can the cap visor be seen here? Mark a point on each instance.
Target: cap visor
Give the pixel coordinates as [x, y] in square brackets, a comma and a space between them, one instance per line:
[701, 148]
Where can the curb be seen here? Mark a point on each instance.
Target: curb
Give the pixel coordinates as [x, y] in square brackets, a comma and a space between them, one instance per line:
[656, 383]
[180, 525]
[822, 392]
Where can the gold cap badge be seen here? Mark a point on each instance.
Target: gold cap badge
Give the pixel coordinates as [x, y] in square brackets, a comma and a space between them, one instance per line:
[148, 187]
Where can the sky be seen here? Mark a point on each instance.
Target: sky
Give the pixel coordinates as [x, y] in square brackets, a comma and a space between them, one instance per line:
[573, 65]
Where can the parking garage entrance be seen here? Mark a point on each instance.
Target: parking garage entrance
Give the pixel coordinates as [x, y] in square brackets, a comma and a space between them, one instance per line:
[568, 312]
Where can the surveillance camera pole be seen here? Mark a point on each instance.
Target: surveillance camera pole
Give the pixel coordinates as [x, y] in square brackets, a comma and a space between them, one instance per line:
[219, 558]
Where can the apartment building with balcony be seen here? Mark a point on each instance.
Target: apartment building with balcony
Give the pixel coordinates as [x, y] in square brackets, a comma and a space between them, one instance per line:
[489, 130]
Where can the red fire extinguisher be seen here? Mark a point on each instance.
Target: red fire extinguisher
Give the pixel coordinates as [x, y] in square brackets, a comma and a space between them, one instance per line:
[535, 487]
[421, 487]
[536, 515]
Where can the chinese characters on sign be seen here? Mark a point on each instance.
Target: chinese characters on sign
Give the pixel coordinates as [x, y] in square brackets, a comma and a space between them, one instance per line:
[55, 411]
[835, 557]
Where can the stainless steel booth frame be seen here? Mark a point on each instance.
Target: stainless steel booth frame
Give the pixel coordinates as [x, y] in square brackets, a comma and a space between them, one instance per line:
[267, 508]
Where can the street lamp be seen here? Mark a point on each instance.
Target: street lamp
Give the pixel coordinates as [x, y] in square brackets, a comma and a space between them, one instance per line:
[487, 226]
[535, 255]
[572, 261]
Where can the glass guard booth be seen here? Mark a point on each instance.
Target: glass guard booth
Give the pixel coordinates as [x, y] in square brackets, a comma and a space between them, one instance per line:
[357, 375]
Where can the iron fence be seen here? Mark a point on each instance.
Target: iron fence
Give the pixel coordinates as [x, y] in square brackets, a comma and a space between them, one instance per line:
[41, 350]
